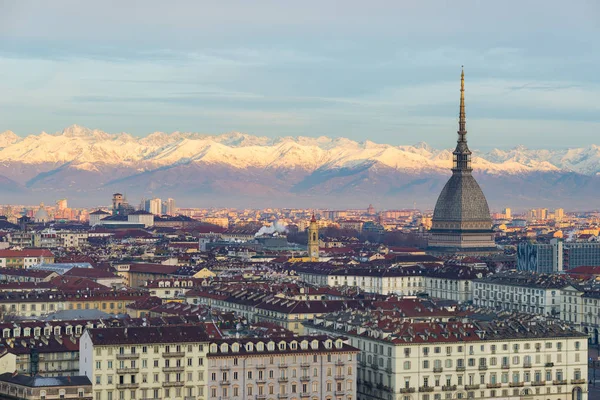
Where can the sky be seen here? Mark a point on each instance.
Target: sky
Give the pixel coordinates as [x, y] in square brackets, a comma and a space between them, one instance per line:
[385, 71]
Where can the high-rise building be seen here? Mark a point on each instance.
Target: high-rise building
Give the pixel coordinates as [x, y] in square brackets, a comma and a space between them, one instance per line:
[507, 213]
[540, 257]
[313, 239]
[559, 214]
[154, 206]
[170, 207]
[461, 220]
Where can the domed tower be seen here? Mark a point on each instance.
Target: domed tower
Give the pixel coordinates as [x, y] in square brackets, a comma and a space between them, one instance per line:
[461, 220]
[313, 239]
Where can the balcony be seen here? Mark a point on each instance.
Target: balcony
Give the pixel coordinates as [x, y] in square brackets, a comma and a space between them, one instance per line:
[559, 382]
[173, 369]
[224, 367]
[375, 366]
[493, 385]
[339, 363]
[483, 367]
[127, 385]
[389, 370]
[173, 354]
[261, 396]
[339, 393]
[549, 365]
[173, 384]
[225, 383]
[304, 394]
[448, 388]
[261, 366]
[426, 389]
[305, 378]
[261, 380]
[304, 365]
[538, 383]
[339, 377]
[283, 365]
[282, 396]
[471, 387]
[460, 369]
[516, 384]
[128, 370]
[577, 381]
[526, 365]
[282, 379]
[505, 366]
[437, 369]
[407, 390]
[128, 356]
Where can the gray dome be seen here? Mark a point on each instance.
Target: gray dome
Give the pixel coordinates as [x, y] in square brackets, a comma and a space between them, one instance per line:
[462, 200]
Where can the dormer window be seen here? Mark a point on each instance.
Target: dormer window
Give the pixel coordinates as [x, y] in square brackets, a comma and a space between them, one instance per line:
[260, 346]
[271, 346]
[249, 347]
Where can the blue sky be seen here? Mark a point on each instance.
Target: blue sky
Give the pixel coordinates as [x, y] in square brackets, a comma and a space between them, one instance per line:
[387, 71]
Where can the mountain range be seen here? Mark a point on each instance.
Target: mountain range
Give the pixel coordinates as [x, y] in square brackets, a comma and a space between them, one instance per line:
[237, 169]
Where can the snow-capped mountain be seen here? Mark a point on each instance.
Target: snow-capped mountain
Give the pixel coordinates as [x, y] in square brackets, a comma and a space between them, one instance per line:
[83, 162]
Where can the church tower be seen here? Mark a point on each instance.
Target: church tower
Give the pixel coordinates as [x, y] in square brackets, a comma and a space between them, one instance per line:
[313, 240]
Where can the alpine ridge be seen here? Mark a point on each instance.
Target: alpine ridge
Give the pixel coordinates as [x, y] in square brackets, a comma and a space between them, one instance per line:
[232, 167]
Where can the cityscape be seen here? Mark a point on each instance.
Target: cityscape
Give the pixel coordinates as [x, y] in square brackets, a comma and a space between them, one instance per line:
[289, 264]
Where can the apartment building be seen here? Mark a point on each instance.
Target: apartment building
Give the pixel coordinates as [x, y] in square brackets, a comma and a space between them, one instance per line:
[450, 282]
[32, 304]
[25, 258]
[514, 358]
[160, 362]
[520, 291]
[315, 368]
[581, 308]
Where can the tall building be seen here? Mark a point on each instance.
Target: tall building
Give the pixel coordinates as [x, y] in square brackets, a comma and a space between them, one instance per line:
[507, 213]
[461, 220]
[154, 206]
[170, 207]
[540, 257]
[559, 214]
[117, 202]
[313, 239]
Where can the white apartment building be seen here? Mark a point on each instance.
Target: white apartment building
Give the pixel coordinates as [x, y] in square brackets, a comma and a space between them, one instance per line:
[166, 362]
[450, 282]
[581, 308]
[504, 359]
[520, 291]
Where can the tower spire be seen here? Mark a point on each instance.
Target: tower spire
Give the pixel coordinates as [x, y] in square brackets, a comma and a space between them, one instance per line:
[462, 154]
[462, 119]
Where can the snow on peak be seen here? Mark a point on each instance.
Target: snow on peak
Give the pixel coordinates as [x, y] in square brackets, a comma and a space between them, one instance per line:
[85, 148]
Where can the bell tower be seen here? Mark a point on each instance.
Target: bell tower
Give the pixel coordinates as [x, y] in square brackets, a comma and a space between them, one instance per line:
[313, 240]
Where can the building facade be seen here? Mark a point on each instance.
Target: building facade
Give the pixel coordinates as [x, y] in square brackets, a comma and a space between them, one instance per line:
[452, 360]
[314, 368]
[145, 362]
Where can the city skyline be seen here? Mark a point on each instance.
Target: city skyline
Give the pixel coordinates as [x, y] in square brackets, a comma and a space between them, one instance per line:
[385, 73]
